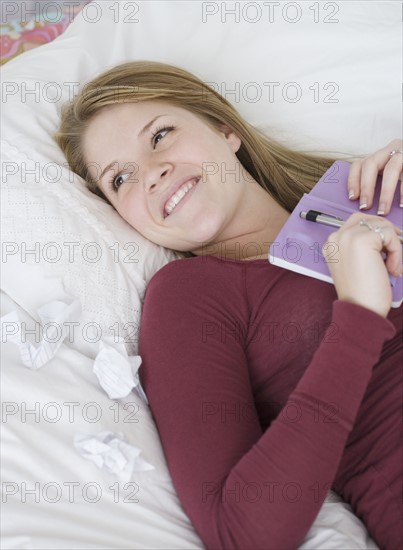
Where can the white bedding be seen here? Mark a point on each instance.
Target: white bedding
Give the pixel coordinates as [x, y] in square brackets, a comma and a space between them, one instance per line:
[65, 247]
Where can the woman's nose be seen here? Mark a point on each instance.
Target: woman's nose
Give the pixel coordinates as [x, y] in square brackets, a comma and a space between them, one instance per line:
[156, 175]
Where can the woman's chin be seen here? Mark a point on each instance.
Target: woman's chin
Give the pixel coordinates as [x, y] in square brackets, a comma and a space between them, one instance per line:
[201, 236]
[195, 234]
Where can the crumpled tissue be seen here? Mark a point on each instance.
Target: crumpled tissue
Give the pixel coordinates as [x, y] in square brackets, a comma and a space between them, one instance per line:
[55, 318]
[111, 452]
[117, 372]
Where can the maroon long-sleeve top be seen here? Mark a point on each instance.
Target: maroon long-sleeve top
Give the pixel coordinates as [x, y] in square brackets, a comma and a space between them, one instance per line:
[255, 376]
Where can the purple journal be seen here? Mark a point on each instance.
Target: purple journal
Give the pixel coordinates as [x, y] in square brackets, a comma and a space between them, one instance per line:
[298, 246]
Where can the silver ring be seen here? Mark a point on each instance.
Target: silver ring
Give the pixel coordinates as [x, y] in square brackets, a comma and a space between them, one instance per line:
[367, 224]
[378, 229]
[395, 151]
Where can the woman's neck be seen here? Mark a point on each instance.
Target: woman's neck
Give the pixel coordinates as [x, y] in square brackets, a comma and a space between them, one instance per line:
[254, 228]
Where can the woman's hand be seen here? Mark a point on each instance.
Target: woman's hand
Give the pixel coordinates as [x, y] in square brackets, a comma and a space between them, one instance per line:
[357, 267]
[363, 175]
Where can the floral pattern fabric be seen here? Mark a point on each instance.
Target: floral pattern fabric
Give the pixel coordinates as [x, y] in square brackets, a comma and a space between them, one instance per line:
[18, 36]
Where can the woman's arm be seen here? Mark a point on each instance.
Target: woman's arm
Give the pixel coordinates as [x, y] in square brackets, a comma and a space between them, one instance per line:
[243, 488]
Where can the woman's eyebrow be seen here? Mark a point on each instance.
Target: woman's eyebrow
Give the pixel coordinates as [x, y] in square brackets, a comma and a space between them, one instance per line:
[106, 169]
[147, 126]
[142, 132]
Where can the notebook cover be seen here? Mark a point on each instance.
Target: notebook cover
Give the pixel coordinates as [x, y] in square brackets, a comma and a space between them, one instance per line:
[298, 246]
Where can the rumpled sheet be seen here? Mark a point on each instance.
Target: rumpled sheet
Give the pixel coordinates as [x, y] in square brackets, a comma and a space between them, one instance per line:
[55, 318]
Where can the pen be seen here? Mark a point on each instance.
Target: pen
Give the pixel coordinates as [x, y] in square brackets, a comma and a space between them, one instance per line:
[326, 219]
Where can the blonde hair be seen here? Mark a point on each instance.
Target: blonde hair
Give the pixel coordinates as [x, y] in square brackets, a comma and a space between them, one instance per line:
[284, 173]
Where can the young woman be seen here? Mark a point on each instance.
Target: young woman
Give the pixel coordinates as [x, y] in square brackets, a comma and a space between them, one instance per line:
[268, 387]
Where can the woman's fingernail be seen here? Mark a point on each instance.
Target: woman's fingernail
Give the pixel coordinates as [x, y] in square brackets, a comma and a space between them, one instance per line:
[381, 209]
[363, 203]
[351, 195]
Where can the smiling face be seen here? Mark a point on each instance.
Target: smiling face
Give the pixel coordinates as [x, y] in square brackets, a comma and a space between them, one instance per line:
[169, 174]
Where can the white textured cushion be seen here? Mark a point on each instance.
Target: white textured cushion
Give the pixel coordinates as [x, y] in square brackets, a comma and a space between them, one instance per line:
[69, 244]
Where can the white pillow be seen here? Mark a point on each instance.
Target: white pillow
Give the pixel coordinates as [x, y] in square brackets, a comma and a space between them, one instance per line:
[69, 244]
[342, 58]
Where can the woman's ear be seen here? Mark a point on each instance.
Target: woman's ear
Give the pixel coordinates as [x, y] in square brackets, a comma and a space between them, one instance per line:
[233, 140]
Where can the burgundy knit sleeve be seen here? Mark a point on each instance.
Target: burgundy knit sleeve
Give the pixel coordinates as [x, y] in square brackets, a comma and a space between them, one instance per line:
[243, 488]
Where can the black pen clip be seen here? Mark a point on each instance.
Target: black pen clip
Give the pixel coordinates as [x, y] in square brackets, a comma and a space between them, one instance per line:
[317, 213]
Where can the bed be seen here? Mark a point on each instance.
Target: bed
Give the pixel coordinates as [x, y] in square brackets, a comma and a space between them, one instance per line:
[82, 465]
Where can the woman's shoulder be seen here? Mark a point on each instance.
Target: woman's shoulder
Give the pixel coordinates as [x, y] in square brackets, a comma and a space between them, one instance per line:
[193, 274]
[182, 268]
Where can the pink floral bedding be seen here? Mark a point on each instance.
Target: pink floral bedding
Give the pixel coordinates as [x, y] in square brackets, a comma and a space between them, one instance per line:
[19, 36]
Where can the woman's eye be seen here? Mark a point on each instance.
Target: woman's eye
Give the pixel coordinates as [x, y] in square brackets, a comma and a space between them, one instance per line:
[117, 182]
[160, 133]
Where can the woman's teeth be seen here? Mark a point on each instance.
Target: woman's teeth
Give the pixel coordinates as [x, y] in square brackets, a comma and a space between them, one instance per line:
[181, 192]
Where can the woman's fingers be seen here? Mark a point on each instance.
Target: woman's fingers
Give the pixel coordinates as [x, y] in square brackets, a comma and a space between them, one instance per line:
[360, 272]
[354, 178]
[391, 175]
[388, 235]
[363, 175]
